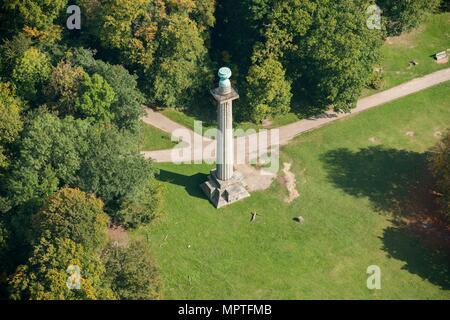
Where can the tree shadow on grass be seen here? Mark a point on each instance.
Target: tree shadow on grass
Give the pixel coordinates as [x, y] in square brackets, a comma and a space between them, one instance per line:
[190, 183]
[385, 176]
[397, 182]
[402, 242]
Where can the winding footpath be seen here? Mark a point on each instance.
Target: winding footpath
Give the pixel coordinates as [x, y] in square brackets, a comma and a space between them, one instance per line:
[290, 131]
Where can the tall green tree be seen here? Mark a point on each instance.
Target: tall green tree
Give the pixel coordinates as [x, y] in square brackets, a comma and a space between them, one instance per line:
[11, 50]
[49, 157]
[164, 41]
[269, 93]
[182, 62]
[31, 74]
[11, 123]
[95, 99]
[113, 169]
[141, 205]
[337, 53]
[127, 105]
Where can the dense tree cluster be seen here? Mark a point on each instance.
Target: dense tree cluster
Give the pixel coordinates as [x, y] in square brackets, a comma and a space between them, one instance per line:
[69, 162]
[163, 41]
[317, 50]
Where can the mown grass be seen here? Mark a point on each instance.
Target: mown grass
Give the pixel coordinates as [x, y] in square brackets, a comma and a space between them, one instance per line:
[350, 191]
[151, 138]
[419, 45]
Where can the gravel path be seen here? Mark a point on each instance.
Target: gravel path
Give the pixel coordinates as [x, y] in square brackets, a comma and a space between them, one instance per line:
[290, 131]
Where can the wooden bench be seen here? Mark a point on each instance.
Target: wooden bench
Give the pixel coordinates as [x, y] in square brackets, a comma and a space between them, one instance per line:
[441, 57]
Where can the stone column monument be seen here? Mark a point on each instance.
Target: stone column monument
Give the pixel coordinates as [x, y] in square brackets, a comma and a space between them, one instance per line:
[224, 185]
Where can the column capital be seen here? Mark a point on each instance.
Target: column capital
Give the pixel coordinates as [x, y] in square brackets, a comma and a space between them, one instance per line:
[232, 95]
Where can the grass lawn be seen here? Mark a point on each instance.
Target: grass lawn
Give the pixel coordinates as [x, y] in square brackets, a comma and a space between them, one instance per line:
[420, 45]
[350, 190]
[152, 138]
[187, 120]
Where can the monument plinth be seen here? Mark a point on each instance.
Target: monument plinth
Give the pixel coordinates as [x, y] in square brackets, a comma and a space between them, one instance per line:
[224, 186]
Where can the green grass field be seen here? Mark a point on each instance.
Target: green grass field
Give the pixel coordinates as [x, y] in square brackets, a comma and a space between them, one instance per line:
[151, 138]
[350, 190]
[420, 45]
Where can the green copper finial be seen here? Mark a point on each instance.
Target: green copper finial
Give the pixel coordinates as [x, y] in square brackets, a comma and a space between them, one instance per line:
[224, 83]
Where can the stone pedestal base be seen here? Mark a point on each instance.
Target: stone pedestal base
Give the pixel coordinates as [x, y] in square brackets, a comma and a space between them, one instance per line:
[222, 193]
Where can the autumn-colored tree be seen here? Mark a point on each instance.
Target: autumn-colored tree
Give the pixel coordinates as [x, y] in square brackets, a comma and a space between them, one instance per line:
[38, 14]
[64, 86]
[51, 273]
[72, 214]
[130, 27]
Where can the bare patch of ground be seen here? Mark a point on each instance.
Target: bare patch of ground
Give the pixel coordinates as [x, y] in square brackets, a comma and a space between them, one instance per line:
[256, 179]
[266, 123]
[290, 182]
[405, 39]
[410, 133]
[119, 236]
[374, 139]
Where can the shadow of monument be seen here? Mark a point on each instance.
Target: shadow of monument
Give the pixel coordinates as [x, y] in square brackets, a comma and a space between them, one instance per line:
[397, 182]
[190, 183]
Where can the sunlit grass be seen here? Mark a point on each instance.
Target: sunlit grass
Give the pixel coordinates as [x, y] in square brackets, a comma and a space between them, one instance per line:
[343, 179]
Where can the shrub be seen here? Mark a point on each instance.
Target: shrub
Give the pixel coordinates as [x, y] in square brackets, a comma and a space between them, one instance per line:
[131, 272]
[141, 206]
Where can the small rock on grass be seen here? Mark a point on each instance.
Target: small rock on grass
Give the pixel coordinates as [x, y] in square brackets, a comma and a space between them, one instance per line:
[299, 219]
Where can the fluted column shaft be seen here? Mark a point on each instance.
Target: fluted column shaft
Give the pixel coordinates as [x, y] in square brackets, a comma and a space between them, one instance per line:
[225, 147]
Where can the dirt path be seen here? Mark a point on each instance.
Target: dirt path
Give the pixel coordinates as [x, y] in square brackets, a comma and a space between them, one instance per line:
[290, 131]
[160, 121]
